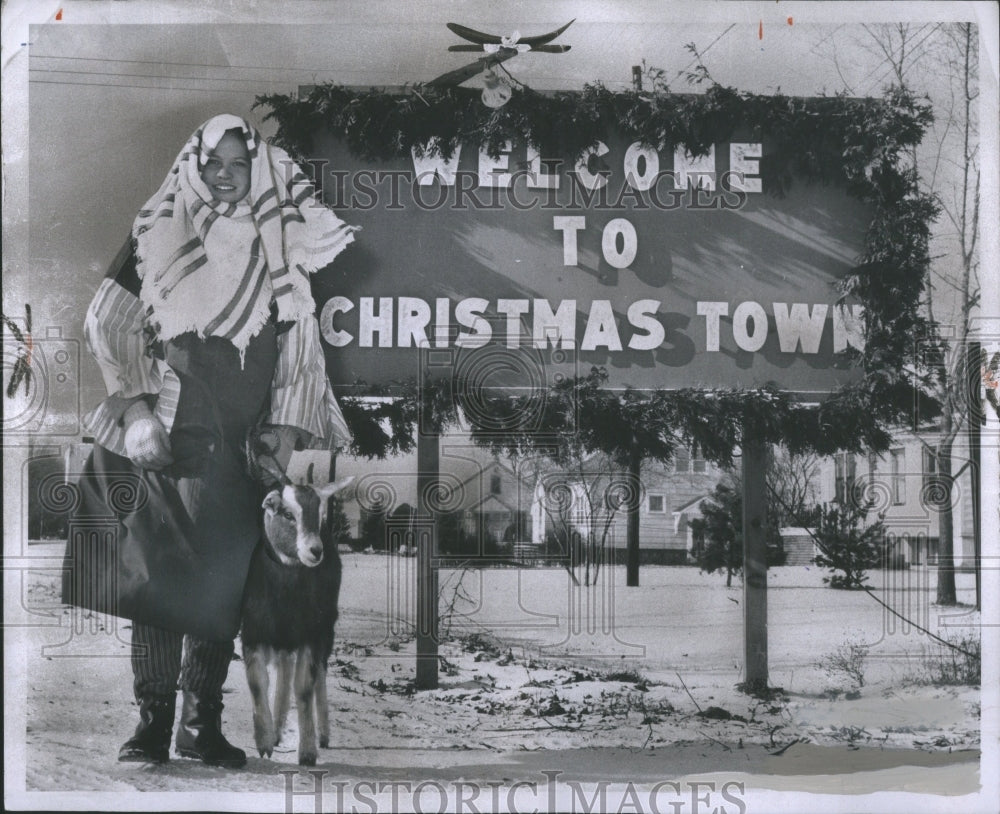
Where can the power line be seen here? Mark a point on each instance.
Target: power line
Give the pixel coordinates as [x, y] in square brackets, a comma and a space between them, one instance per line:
[828, 36]
[892, 68]
[309, 71]
[153, 76]
[702, 53]
[133, 61]
[171, 77]
[143, 87]
[187, 64]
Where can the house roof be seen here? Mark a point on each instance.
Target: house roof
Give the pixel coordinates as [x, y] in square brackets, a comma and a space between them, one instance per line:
[690, 504]
[494, 464]
[481, 505]
[680, 511]
[476, 495]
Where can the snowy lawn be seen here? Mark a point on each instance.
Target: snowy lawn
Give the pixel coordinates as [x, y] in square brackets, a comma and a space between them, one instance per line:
[537, 673]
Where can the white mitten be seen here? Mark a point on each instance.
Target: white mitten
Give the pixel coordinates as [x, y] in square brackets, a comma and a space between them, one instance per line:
[146, 441]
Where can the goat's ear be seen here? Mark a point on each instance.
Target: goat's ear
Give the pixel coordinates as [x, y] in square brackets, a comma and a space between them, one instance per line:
[330, 489]
[273, 501]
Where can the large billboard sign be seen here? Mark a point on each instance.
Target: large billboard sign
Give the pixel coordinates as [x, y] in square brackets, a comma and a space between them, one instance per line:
[670, 270]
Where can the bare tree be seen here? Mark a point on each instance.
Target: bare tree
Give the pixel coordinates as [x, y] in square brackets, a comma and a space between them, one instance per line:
[581, 497]
[791, 486]
[941, 61]
[960, 203]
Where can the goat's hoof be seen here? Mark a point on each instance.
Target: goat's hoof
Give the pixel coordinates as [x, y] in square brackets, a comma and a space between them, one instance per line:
[307, 759]
[264, 739]
[324, 742]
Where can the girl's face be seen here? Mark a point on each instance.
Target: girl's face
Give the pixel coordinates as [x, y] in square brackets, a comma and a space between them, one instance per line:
[227, 170]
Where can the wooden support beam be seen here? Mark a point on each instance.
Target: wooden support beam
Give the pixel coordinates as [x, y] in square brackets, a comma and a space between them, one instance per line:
[632, 527]
[428, 462]
[460, 75]
[754, 566]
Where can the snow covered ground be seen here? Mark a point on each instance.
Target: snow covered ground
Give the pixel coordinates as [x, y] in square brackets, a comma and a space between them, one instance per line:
[547, 684]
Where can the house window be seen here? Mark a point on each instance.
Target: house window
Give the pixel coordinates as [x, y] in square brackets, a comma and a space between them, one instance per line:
[495, 484]
[698, 464]
[845, 472]
[898, 475]
[930, 466]
[681, 460]
[656, 504]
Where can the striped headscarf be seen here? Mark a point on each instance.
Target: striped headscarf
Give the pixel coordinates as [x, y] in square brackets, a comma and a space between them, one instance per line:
[214, 267]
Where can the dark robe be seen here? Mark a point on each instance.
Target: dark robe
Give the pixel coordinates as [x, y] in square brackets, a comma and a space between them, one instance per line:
[172, 547]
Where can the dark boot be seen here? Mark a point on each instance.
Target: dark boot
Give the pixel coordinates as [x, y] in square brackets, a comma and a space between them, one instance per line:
[151, 741]
[200, 733]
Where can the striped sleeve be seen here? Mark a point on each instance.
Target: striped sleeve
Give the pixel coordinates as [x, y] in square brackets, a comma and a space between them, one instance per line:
[114, 332]
[301, 395]
[113, 329]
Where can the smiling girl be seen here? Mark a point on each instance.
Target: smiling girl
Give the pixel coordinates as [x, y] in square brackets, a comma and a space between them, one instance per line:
[204, 324]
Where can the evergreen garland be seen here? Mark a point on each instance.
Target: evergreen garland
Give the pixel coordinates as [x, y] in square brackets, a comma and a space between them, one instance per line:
[859, 143]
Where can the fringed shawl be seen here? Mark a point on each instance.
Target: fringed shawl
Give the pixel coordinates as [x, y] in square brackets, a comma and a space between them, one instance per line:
[213, 267]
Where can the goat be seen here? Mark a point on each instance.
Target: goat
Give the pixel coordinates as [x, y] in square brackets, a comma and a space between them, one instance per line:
[289, 612]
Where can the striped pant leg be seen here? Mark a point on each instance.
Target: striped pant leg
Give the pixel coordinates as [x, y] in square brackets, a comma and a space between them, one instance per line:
[156, 660]
[205, 666]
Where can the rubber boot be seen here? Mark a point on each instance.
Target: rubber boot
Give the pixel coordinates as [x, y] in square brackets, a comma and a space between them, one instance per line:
[200, 733]
[151, 741]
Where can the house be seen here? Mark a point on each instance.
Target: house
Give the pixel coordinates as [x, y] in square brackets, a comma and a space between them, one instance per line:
[505, 502]
[495, 503]
[903, 485]
[589, 503]
[682, 516]
[478, 494]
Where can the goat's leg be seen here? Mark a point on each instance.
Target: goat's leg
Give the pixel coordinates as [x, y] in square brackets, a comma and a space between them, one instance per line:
[255, 662]
[282, 690]
[305, 700]
[322, 711]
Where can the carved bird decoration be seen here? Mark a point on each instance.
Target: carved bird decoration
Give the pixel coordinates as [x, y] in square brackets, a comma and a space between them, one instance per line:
[497, 48]
[491, 43]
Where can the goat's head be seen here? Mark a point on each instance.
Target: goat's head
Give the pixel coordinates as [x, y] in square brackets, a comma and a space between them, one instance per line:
[293, 517]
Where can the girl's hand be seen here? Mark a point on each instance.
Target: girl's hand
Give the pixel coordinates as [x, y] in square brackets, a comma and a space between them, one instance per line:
[146, 441]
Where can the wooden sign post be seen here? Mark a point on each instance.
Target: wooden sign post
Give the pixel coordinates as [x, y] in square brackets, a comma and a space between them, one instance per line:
[428, 455]
[632, 523]
[754, 566]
